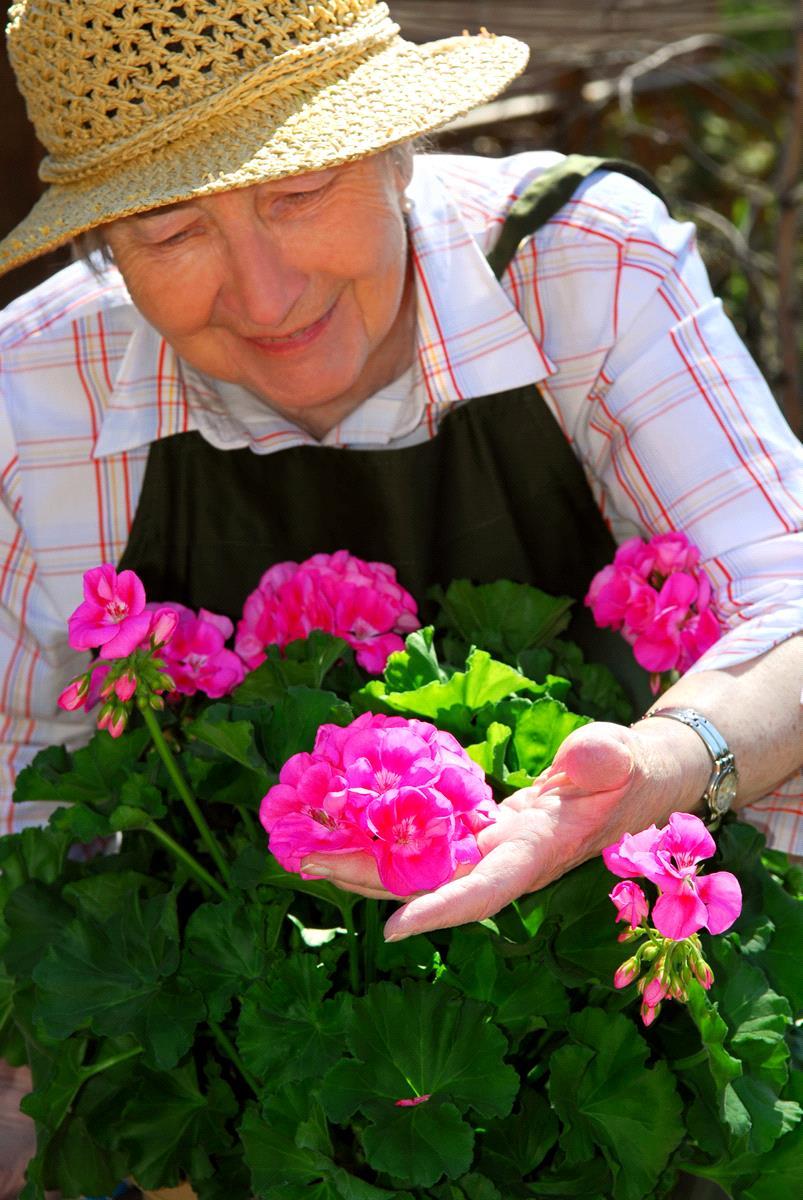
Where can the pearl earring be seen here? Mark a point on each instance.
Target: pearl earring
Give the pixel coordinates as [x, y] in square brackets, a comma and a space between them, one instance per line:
[406, 205]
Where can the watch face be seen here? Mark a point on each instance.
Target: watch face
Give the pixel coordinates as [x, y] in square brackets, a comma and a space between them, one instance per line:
[724, 792]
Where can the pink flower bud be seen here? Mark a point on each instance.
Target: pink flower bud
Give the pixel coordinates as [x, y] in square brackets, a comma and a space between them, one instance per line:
[630, 902]
[413, 1101]
[654, 993]
[702, 972]
[125, 686]
[163, 626]
[627, 973]
[117, 724]
[649, 1014]
[74, 694]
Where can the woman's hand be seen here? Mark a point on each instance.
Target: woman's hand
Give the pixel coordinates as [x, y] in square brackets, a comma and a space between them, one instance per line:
[606, 780]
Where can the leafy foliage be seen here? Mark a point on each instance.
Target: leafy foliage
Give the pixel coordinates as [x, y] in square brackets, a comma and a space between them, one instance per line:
[255, 1035]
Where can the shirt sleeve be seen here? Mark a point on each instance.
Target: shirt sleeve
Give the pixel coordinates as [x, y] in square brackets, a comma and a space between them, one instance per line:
[36, 661]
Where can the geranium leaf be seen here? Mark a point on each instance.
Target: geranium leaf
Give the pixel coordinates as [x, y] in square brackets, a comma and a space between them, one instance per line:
[490, 754]
[287, 1031]
[294, 721]
[757, 1016]
[190, 1114]
[539, 732]
[512, 1148]
[224, 950]
[416, 665]
[503, 617]
[606, 1096]
[31, 854]
[117, 977]
[234, 739]
[420, 1040]
[36, 916]
[419, 1145]
[452, 704]
[81, 823]
[275, 1160]
[92, 775]
[303, 663]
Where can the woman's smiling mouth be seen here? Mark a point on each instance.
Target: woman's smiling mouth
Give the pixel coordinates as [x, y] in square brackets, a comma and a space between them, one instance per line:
[295, 341]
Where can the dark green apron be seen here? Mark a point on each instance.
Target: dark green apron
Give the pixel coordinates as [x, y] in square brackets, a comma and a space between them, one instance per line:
[497, 494]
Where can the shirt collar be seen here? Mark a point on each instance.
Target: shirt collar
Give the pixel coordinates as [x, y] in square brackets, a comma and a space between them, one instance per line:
[471, 341]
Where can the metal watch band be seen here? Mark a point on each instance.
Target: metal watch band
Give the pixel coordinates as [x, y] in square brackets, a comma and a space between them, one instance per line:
[721, 788]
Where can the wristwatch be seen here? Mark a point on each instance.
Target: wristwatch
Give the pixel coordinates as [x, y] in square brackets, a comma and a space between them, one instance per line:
[720, 791]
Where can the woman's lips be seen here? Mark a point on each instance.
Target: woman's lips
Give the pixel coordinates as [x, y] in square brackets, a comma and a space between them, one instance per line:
[295, 341]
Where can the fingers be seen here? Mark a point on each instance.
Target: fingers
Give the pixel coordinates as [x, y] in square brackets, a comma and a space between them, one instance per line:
[512, 867]
[597, 758]
[350, 872]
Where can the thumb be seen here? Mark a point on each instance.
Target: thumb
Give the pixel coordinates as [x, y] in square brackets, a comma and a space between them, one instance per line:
[597, 758]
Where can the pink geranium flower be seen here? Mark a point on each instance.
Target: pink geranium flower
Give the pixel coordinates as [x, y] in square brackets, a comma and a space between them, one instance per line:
[655, 594]
[195, 655]
[400, 790]
[670, 858]
[112, 615]
[361, 602]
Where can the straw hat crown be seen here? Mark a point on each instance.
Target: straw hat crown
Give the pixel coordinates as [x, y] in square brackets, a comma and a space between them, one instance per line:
[108, 78]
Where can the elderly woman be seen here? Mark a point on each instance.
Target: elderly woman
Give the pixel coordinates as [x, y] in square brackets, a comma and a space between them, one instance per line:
[293, 340]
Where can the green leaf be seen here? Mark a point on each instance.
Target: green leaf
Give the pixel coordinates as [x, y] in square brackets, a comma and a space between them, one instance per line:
[420, 1040]
[234, 739]
[294, 722]
[31, 854]
[92, 775]
[304, 663]
[287, 1031]
[80, 823]
[274, 1158]
[36, 916]
[419, 1145]
[118, 977]
[512, 1148]
[190, 1115]
[757, 1016]
[96, 897]
[224, 950]
[604, 1093]
[416, 665]
[503, 617]
[452, 704]
[258, 868]
[490, 754]
[540, 731]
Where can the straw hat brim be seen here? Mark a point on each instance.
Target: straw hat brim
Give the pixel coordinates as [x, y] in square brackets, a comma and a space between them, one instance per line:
[400, 92]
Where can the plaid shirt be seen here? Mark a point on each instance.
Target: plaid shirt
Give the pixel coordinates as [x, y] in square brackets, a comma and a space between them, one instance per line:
[608, 308]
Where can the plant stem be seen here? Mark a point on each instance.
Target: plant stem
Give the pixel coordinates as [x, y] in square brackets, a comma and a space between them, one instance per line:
[354, 949]
[371, 909]
[166, 755]
[112, 1061]
[248, 822]
[230, 1050]
[192, 865]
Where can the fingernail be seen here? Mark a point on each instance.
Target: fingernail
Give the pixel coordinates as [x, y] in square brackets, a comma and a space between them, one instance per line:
[317, 871]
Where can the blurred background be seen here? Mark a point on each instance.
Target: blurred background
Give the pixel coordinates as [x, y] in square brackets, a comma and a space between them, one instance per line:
[706, 95]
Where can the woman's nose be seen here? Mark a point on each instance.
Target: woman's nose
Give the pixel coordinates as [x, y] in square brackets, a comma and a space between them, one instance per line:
[263, 283]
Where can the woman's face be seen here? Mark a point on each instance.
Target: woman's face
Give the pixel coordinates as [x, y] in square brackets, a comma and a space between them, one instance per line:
[296, 289]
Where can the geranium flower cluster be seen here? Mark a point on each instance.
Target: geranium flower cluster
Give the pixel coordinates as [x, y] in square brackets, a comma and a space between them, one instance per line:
[144, 650]
[361, 602]
[400, 790]
[655, 595]
[670, 858]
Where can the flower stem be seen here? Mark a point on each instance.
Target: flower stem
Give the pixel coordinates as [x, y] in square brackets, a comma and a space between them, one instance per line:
[371, 910]
[354, 949]
[193, 866]
[184, 792]
[227, 1046]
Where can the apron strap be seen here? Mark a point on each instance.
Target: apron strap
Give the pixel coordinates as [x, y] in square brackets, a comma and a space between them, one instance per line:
[547, 194]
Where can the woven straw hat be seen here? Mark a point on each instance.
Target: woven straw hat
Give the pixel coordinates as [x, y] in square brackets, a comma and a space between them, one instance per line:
[141, 103]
